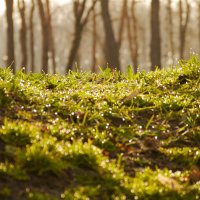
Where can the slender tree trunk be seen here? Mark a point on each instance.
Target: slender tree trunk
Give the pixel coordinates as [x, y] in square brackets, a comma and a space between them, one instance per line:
[94, 40]
[78, 61]
[74, 48]
[183, 26]
[171, 33]
[23, 33]
[32, 41]
[132, 36]
[10, 35]
[112, 48]
[199, 24]
[81, 19]
[180, 29]
[45, 36]
[122, 23]
[78, 28]
[155, 35]
[51, 37]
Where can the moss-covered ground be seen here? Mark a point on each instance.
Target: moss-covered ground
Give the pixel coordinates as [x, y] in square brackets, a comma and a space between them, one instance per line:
[101, 136]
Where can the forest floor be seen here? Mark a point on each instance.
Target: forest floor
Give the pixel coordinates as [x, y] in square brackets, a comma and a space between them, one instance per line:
[101, 136]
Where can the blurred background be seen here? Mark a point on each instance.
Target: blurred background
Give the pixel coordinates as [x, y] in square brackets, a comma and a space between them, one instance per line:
[58, 36]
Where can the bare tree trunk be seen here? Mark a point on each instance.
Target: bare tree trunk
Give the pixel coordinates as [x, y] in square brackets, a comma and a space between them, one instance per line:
[183, 26]
[111, 45]
[199, 25]
[171, 33]
[122, 23]
[78, 61]
[155, 35]
[51, 36]
[75, 46]
[74, 49]
[23, 33]
[81, 19]
[45, 36]
[10, 35]
[32, 41]
[132, 36]
[94, 40]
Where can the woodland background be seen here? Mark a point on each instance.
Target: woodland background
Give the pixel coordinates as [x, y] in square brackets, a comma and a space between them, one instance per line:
[42, 35]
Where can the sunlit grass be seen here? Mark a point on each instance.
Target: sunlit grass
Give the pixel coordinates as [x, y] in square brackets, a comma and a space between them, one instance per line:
[101, 136]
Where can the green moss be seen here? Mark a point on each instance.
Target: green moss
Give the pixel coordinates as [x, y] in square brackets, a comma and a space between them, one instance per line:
[5, 193]
[110, 135]
[33, 195]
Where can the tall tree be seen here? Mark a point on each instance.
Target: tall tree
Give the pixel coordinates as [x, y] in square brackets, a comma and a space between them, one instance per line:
[131, 30]
[199, 22]
[94, 39]
[23, 33]
[81, 14]
[132, 27]
[45, 36]
[170, 23]
[111, 45]
[122, 23]
[10, 35]
[51, 36]
[32, 41]
[155, 35]
[183, 25]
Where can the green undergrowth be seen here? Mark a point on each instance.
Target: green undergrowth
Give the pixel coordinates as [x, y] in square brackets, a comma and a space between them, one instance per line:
[101, 136]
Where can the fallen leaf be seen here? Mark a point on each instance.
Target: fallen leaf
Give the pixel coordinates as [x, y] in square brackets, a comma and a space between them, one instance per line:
[194, 174]
[150, 143]
[169, 182]
[131, 96]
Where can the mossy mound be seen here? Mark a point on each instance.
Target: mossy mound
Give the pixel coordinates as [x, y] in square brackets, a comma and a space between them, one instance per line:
[101, 136]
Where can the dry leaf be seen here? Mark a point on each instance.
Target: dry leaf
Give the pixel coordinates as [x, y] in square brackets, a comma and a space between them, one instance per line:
[169, 182]
[194, 174]
[131, 96]
[150, 143]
